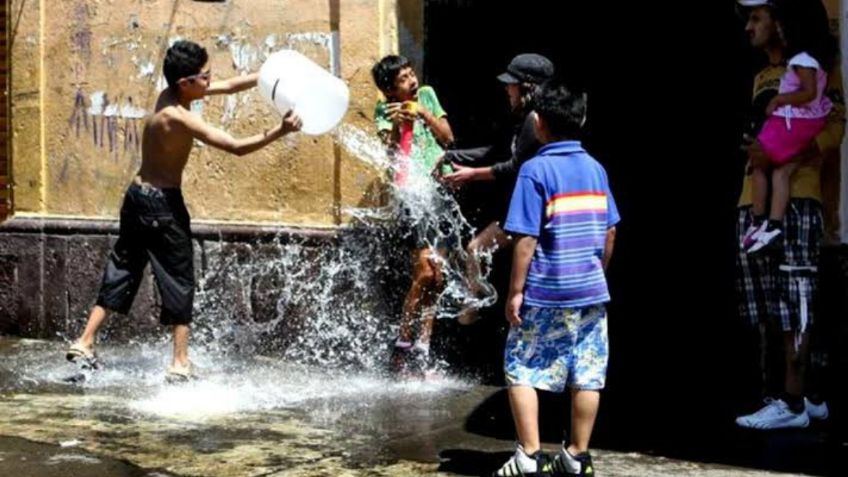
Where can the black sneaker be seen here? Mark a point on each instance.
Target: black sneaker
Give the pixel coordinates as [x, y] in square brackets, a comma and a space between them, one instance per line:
[560, 469]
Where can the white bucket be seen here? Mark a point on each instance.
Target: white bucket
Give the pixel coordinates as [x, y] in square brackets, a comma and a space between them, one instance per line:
[290, 81]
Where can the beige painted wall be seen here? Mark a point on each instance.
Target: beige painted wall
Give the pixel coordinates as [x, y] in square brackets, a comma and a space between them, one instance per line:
[84, 73]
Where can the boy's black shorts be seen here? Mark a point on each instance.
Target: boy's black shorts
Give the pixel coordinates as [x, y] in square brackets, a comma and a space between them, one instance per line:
[155, 227]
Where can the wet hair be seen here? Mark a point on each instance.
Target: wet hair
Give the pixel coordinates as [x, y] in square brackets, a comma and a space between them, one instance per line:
[183, 59]
[804, 26]
[561, 107]
[386, 71]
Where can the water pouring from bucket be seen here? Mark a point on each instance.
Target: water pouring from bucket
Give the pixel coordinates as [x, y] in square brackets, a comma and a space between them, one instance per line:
[288, 80]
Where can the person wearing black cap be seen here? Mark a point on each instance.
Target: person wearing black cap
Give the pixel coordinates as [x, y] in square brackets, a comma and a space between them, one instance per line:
[523, 75]
[521, 79]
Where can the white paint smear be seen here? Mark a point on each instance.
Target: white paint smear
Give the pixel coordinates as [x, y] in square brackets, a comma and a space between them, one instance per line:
[329, 41]
[314, 37]
[146, 69]
[98, 99]
[110, 111]
[245, 57]
[230, 108]
[131, 111]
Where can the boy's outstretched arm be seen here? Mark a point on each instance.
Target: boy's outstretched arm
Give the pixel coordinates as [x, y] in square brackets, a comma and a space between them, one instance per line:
[524, 247]
[609, 244]
[223, 140]
[233, 85]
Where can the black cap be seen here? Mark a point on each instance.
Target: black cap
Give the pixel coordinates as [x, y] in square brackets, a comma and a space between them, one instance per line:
[528, 68]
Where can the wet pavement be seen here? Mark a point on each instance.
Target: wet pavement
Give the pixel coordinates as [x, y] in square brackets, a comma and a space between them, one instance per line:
[253, 417]
[22, 457]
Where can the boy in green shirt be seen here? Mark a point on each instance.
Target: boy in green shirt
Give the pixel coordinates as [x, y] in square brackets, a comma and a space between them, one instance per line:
[412, 123]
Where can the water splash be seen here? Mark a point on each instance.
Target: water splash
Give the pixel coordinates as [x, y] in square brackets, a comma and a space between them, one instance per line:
[421, 200]
[313, 304]
[336, 303]
[285, 321]
[133, 381]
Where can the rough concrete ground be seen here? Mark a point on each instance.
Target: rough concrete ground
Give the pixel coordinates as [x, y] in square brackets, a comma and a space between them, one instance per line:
[257, 417]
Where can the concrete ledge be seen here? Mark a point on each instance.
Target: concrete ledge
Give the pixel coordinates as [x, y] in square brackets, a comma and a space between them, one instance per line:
[200, 230]
[50, 270]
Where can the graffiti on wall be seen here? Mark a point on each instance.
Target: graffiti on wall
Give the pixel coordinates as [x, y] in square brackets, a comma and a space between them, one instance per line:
[111, 124]
[81, 33]
[247, 55]
[106, 121]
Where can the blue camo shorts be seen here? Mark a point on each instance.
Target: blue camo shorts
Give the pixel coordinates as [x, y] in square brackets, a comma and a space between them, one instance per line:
[557, 347]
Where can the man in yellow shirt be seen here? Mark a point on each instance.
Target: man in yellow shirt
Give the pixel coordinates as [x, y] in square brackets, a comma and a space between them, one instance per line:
[778, 289]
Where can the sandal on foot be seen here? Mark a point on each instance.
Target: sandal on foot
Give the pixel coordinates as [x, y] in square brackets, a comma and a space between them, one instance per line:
[86, 356]
[176, 375]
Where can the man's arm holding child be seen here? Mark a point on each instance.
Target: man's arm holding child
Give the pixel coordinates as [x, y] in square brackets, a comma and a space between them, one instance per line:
[806, 93]
[524, 247]
[223, 140]
[829, 140]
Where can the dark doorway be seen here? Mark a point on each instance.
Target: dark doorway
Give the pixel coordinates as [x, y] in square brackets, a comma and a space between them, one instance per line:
[668, 92]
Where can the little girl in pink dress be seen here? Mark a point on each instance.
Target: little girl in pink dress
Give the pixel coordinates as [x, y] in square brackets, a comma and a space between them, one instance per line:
[797, 115]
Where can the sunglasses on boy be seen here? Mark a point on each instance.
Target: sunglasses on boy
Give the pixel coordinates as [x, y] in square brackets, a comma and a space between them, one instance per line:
[206, 76]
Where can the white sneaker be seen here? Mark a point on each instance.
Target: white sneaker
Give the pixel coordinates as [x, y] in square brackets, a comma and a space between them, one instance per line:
[748, 239]
[519, 465]
[818, 412]
[764, 238]
[774, 415]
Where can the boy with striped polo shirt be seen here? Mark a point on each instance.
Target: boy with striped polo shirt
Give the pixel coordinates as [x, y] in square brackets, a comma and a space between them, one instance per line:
[563, 218]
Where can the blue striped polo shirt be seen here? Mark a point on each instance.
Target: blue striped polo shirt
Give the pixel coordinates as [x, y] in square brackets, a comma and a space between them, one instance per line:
[562, 197]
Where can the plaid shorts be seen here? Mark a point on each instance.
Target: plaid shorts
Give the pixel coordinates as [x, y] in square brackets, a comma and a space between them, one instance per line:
[557, 347]
[780, 287]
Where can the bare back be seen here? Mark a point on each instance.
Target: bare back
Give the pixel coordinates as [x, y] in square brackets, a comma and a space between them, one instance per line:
[165, 144]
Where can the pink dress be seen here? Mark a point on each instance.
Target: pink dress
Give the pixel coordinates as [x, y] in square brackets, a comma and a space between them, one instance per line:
[792, 128]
